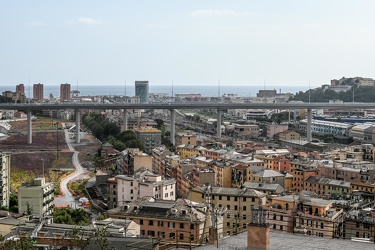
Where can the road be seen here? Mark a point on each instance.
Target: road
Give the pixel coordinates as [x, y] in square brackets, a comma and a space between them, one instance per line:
[68, 197]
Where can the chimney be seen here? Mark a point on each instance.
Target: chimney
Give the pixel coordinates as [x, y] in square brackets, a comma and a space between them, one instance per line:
[258, 231]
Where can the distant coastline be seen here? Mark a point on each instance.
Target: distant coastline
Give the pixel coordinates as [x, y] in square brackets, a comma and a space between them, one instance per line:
[205, 90]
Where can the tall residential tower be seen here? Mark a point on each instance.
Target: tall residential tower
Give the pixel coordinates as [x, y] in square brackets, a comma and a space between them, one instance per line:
[38, 92]
[65, 92]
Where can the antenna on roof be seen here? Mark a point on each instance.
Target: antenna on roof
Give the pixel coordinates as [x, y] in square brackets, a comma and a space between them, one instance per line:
[29, 89]
[309, 91]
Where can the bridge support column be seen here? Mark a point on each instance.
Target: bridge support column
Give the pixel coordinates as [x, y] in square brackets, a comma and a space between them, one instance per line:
[78, 125]
[173, 128]
[29, 128]
[125, 120]
[308, 128]
[218, 125]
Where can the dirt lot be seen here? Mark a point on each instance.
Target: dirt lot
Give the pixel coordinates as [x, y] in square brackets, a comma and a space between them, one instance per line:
[48, 149]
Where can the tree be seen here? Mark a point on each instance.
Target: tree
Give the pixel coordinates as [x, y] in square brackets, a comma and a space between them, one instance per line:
[24, 243]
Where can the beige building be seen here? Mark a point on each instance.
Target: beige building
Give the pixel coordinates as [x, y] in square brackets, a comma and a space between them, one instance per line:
[144, 183]
[246, 130]
[186, 138]
[236, 201]
[37, 197]
[288, 135]
[274, 129]
[306, 215]
[135, 160]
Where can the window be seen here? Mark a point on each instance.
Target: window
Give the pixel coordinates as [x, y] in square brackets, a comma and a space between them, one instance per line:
[131, 183]
[151, 233]
[181, 225]
[142, 232]
[191, 226]
[244, 208]
[131, 191]
[274, 217]
[171, 224]
[150, 222]
[181, 236]
[166, 195]
[171, 194]
[281, 217]
[321, 225]
[141, 222]
[244, 198]
[228, 206]
[252, 199]
[244, 216]
[172, 235]
[220, 197]
[235, 198]
[228, 198]
[281, 227]
[160, 223]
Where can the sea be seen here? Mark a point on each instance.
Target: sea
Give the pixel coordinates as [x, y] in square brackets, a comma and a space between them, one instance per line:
[204, 90]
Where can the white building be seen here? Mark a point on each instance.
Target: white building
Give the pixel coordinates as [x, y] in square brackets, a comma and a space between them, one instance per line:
[144, 183]
[4, 179]
[327, 127]
[37, 197]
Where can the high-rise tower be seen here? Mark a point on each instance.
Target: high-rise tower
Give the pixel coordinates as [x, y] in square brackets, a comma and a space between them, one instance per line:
[141, 90]
[38, 92]
[65, 92]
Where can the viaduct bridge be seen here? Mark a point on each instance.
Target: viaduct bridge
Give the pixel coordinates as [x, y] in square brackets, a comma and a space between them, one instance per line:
[172, 106]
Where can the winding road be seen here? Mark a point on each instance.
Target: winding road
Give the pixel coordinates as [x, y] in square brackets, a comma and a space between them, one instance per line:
[68, 198]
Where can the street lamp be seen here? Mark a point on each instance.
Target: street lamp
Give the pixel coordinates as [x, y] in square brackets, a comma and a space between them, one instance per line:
[42, 160]
[57, 140]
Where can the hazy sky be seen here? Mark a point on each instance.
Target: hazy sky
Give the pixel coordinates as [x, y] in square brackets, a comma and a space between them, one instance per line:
[193, 42]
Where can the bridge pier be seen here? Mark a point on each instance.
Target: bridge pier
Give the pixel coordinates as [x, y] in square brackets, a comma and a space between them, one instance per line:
[29, 128]
[308, 128]
[173, 128]
[218, 124]
[78, 125]
[125, 120]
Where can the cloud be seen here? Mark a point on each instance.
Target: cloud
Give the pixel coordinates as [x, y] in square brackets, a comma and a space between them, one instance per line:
[219, 13]
[88, 20]
[35, 23]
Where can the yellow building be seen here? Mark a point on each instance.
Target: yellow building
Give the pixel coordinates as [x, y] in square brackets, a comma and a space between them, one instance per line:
[236, 201]
[187, 151]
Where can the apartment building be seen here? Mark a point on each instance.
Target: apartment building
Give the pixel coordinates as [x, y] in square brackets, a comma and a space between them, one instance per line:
[36, 197]
[236, 201]
[143, 183]
[171, 221]
[65, 92]
[185, 138]
[303, 214]
[149, 136]
[158, 156]
[135, 160]
[4, 179]
[186, 151]
[38, 92]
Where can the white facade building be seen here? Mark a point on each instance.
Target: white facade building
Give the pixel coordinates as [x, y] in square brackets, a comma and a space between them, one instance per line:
[144, 183]
[4, 179]
[327, 127]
